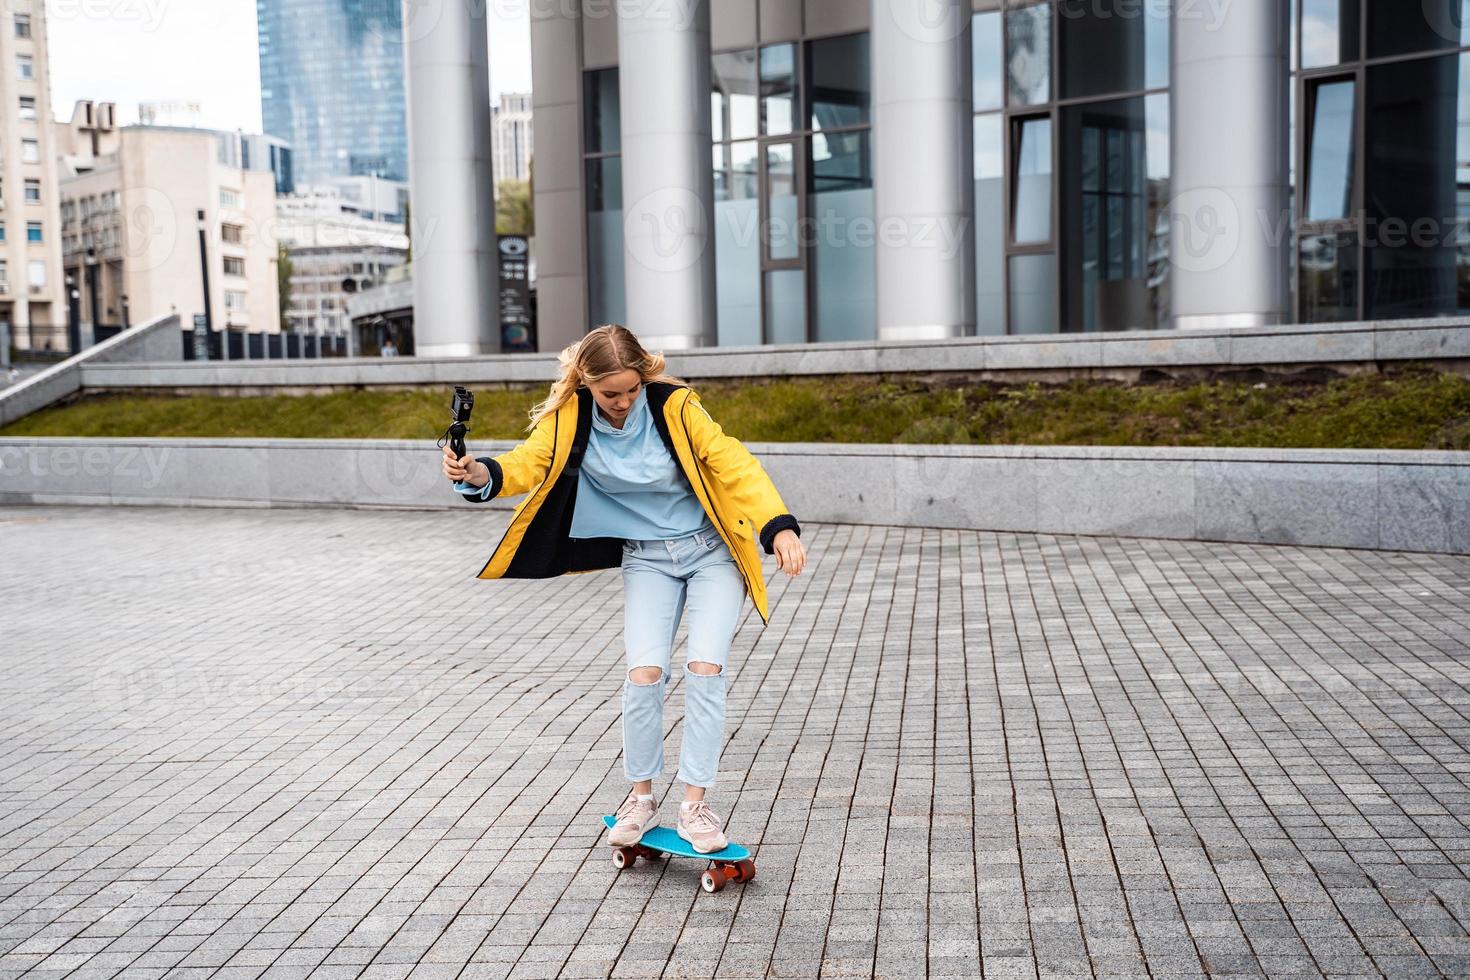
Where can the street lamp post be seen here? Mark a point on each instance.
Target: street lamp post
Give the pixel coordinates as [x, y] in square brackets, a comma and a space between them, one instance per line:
[73, 315]
[204, 276]
[90, 271]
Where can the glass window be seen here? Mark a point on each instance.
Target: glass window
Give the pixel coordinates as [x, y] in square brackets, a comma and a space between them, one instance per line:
[1031, 209]
[1028, 55]
[1329, 278]
[1329, 32]
[838, 80]
[1408, 26]
[737, 244]
[986, 60]
[1106, 228]
[733, 102]
[1414, 209]
[37, 269]
[33, 231]
[22, 25]
[28, 107]
[1135, 35]
[25, 68]
[602, 120]
[30, 151]
[841, 256]
[605, 240]
[778, 89]
[1156, 49]
[1330, 151]
[33, 191]
[1156, 160]
[990, 237]
[782, 203]
[1033, 293]
[786, 306]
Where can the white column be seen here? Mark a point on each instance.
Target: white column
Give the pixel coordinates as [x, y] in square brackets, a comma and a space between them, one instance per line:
[922, 171]
[556, 96]
[451, 183]
[668, 183]
[1229, 236]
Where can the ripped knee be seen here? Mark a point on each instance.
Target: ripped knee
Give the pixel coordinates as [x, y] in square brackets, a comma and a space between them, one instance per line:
[645, 675]
[704, 667]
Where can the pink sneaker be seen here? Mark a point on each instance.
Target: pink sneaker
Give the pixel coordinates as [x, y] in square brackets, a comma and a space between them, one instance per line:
[635, 817]
[700, 827]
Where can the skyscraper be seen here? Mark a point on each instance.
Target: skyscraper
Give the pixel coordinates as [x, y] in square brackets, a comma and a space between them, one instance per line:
[331, 83]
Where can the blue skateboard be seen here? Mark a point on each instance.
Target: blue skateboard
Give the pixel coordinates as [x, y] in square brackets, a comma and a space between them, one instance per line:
[730, 863]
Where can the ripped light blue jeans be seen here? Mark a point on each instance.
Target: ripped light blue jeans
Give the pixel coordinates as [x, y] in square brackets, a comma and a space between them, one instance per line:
[661, 577]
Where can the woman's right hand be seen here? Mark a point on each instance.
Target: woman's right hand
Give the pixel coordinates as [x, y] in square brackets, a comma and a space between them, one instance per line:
[465, 468]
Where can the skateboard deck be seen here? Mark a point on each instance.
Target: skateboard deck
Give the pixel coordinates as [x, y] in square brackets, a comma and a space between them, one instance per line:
[730, 863]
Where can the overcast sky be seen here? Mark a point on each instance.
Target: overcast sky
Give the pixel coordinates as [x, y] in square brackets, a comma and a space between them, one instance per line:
[132, 51]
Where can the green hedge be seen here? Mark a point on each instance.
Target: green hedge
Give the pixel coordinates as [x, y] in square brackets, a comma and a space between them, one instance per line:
[1413, 408]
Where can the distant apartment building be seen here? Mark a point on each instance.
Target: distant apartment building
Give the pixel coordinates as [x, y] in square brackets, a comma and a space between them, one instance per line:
[332, 85]
[511, 128]
[32, 290]
[131, 204]
[343, 236]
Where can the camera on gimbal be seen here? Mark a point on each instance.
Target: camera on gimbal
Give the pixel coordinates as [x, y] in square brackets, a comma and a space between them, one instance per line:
[459, 413]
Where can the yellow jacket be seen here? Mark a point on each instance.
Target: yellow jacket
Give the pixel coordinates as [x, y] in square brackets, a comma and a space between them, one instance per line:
[729, 482]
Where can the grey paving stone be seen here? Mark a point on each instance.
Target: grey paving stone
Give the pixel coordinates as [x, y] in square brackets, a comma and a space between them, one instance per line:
[310, 742]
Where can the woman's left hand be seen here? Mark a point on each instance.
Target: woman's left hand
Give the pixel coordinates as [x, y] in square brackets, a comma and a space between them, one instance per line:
[790, 554]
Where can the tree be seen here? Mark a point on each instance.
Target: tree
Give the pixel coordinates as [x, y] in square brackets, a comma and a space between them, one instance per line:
[283, 282]
[513, 212]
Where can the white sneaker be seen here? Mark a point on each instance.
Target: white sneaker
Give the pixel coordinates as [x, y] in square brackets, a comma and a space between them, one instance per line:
[635, 818]
[700, 827]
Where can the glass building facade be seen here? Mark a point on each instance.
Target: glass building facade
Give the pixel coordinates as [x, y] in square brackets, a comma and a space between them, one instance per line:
[332, 86]
[1382, 204]
[1073, 172]
[1071, 164]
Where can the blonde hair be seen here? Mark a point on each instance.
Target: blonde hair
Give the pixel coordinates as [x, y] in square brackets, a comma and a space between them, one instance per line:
[604, 351]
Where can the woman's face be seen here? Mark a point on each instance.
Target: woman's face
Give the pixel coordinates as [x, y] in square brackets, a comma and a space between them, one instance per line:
[616, 393]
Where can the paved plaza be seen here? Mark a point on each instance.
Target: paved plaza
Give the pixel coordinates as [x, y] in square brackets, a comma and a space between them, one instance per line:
[309, 743]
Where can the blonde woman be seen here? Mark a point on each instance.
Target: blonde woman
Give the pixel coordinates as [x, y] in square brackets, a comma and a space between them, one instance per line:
[623, 467]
